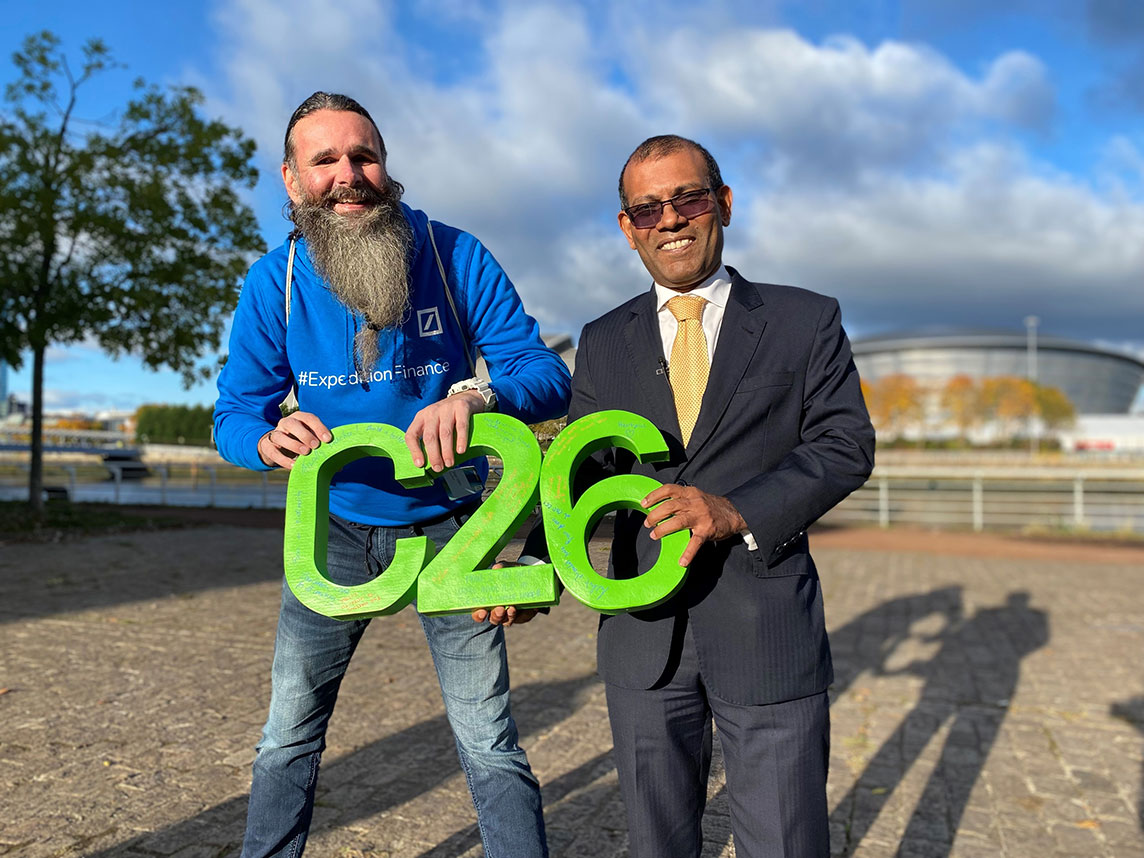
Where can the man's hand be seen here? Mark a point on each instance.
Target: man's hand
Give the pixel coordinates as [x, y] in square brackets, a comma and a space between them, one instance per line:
[504, 615]
[442, 428]
[710, 517]
[295, 435]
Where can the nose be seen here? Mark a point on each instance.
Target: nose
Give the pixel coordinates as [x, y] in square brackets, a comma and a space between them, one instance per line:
[669, 217]
[347, 172]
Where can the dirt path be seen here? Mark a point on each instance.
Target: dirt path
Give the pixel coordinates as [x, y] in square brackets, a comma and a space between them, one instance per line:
[955, 543]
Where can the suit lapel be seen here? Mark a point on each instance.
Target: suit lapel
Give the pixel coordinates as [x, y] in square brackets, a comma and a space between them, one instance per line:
[645, 348]
[739, 337]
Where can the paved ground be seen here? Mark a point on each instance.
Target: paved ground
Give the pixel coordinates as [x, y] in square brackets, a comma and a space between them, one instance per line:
[990, 701]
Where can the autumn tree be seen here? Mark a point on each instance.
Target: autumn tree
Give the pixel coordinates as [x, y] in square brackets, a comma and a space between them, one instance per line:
[895, 402]
[130, 233]
[1009, 401]
[81, 423]
[1054, 408]
[961, 401]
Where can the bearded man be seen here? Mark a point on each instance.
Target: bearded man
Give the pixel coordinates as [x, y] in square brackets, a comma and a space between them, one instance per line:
[369, 336]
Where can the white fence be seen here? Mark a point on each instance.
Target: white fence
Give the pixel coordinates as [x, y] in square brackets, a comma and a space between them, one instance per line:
[1012, 498]
[165, 484]
[985, 497]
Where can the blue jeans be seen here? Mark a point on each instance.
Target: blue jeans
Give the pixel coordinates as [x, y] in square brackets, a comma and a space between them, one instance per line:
[311, 654]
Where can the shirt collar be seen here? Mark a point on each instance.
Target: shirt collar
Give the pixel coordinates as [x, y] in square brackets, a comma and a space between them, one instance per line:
[716, 290]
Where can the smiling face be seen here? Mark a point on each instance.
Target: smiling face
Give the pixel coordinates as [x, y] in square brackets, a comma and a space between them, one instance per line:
[678, 253]
[337, 161]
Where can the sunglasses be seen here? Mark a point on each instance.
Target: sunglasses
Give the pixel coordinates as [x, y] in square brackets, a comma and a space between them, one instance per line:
[687, 205]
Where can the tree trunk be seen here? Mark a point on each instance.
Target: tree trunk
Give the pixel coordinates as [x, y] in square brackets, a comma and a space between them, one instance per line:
[36, 471]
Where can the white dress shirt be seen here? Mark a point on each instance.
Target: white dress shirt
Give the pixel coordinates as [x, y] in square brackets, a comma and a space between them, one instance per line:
[716, 291]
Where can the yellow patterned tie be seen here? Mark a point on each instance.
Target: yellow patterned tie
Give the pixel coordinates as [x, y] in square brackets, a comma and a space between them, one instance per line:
[689, 362]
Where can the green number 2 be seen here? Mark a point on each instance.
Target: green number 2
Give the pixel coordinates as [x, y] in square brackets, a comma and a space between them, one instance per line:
[456, 580]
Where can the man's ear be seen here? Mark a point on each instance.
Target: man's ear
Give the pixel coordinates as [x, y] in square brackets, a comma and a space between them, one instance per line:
[290, 180]
[723, 197]
[627, 228]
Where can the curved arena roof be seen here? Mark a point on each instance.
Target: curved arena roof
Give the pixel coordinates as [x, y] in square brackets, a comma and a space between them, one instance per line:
[1096, 380]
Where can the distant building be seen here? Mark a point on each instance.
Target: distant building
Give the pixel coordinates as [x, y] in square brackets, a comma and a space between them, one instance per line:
[1096, 380]
[113, 420]
[1105, 433]
[562, 345]
[3, 390]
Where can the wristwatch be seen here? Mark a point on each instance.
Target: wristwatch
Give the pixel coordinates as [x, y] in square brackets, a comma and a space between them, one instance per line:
[480, 386]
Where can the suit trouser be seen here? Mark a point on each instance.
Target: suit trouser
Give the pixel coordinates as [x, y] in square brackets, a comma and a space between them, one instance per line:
[775, 756]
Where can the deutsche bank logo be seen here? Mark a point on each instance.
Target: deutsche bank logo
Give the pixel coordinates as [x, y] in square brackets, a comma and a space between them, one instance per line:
[429, 322]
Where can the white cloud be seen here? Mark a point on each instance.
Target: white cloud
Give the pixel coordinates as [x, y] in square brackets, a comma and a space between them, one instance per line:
[989, 244]
[827, 113]
[274, 54]
[520, 152]
[1016, 89]
[83, 350]
[86, 401]
[883, 174]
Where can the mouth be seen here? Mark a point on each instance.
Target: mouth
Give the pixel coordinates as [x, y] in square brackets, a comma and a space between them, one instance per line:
[343, 200]
[676, 244]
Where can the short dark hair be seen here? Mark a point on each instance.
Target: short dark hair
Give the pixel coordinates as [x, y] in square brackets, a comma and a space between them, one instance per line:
[666, 144]
[324, 101]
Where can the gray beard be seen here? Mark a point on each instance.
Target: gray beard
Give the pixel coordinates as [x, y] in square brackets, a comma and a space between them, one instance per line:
[365, 260]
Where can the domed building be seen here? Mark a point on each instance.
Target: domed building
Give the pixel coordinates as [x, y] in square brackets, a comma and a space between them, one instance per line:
[1096, 380]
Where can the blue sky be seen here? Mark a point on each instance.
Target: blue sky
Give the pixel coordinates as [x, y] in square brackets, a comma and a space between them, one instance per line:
[929, 163]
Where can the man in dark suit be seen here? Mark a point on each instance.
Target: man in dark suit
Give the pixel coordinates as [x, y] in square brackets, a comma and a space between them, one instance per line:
[756, 393]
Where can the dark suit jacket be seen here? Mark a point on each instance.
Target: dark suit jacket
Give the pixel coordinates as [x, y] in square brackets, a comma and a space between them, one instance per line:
[784, 434]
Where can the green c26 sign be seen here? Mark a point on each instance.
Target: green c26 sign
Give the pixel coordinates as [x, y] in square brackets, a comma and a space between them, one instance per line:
[457, 579]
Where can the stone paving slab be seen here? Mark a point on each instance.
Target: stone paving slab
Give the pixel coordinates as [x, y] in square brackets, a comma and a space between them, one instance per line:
[984, 705]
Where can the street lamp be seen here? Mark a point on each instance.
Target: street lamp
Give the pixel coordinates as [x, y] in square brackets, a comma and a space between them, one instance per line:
[1031, 323]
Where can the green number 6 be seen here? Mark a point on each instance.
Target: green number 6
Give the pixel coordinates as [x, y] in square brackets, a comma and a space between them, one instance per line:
[568, 527]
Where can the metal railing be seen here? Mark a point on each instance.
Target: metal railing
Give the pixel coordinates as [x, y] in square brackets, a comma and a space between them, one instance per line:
[1013, 498]
[943, 496]
[164, 484]
[21, 434]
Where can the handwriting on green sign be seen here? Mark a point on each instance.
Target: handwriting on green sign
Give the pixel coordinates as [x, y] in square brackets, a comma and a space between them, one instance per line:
[457, 579]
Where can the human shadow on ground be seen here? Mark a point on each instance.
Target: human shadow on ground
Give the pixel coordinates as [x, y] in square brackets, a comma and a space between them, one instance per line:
[380, 776]
[968, 684]
[1132, 711]
[866, 643]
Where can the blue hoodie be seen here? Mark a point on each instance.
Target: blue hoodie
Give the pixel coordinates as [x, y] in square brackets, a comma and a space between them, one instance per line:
[417, 363]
